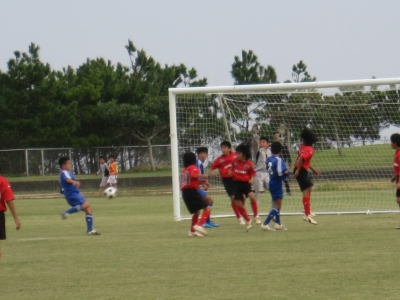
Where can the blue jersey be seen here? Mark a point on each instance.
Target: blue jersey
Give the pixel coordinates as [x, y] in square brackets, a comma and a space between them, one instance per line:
[67, 189]
[276, 168]
[200, 166]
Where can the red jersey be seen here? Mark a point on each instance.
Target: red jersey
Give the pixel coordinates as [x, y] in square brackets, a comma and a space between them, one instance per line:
[187, 181]
[242, 171]
[224, 163]
[396, 163]
[6, 193]
[305, 152]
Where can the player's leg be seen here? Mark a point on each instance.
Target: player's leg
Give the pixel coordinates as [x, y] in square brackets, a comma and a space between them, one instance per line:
[254, 206]
[89, 218]
[240, 190]
[273, 214]
[258, 187]
[398, 202]
[307, 206]
[287, 187]
[76, 206]
[210, 202]
[192, 232]
[229, 186]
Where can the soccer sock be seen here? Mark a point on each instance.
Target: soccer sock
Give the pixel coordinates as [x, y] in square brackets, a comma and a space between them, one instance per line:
[209, 219]
[273, 213]
[89, 222]
[306, 204]
[195, 217]
[74, 209]
[243, 212]
[287, 187]
[254, 206]
[278, 218]
[204, 217]
[236, 210]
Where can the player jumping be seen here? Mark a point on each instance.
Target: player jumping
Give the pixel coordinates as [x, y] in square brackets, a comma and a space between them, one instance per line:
[300, 173]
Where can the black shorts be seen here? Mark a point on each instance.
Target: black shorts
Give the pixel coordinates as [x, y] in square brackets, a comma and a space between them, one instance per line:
[229, 186]
[303, 179]
[2, 226]
[242, 188]
[398, 193]
[193, 200]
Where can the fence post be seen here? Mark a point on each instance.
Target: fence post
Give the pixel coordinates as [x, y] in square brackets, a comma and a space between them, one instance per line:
[42, 162]
[26, 163]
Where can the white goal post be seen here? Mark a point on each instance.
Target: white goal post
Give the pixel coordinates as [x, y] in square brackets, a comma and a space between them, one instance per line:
[347, 116]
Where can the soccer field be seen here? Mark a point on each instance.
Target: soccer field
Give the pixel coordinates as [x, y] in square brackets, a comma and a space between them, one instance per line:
[143, 254]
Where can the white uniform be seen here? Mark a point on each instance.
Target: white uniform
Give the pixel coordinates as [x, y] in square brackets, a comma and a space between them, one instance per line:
[102, 170]
[262, 176]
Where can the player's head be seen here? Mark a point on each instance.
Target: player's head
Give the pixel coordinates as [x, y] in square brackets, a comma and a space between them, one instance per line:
[243, 151]
[226, 147]
[264, 142]
[277, 135]
[102, 159]
[308, 137]
[276, 148]
[395, 139]
[111, 157]
[189, 158]
[65, 163]
[202, 153]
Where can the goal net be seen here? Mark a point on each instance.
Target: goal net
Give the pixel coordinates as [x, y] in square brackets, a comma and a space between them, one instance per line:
[352, 119]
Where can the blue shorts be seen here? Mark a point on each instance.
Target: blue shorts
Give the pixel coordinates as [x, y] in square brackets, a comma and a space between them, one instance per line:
[276, 190]
[75, 200]
[202, 193]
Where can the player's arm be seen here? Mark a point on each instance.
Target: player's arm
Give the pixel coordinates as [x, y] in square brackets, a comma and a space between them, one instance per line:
[73, 182]
[315, 171]
[300, 161]
[213, 166]
[201, 176]
[252, 174]
[8, 196]
[11, 206]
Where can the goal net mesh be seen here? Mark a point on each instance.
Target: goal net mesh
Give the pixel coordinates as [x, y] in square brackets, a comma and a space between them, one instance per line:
[355, 159]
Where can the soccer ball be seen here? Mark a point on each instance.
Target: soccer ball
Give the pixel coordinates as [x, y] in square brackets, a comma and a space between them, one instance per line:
[110, 192]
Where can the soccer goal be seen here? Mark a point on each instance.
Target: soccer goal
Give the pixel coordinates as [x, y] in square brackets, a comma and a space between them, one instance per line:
[352, 119]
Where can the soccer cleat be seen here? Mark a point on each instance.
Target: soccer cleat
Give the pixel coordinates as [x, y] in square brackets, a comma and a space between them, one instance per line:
[309, 219]
[249, 224]
[93, 232]
[214, 224]
[64, 215]
[200, 229]
[195, 234]
[207, 225]
[241, 221]
[288, 194]
[266, 228]
[257, 220]
[311, 213]
[280, 227]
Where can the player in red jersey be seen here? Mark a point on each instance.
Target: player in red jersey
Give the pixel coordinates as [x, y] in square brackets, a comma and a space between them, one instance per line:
[243, 175]
[300, 173]
[395, 139]
[224, 164]
[189, 185]
[6, 196]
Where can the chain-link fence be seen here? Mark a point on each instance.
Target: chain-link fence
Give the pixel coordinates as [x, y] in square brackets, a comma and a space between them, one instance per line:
[33, 162]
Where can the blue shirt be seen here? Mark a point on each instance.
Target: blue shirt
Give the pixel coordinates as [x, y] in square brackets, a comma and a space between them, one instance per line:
[67, 189]
[200, 166]
[276, 168]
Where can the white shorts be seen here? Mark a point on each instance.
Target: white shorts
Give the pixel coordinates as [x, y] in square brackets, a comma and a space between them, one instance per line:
[112, 179]
[261, 182]
[103, 182]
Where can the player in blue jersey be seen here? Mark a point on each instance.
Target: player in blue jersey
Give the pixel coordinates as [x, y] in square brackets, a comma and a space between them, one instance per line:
[202, 154]
[278, 172]
[70, 188]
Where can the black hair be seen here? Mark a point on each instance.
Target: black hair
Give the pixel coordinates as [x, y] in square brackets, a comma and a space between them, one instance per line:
[308, 137]
[245, 149]
[395, 138]
[111, 156]
[63, 160]
[276, 148]
[227, 144]
[202, 150]
[189, 158]
[102, 157]
[264, 138]
[276, 132]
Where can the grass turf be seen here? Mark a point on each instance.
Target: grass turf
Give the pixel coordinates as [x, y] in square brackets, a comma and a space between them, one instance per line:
[143, 254]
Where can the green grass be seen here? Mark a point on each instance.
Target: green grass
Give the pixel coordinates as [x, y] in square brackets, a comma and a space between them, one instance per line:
[143, 254]
[164, 172]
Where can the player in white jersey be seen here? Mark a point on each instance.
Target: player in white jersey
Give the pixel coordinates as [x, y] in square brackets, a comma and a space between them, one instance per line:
[262, 176]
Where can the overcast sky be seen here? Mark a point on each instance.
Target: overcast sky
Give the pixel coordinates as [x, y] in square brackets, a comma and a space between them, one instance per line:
[346, 39]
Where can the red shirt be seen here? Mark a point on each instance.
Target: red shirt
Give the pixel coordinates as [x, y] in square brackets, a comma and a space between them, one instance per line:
[396, 164]
[187, 181]
[224, 163]
[242, 171]
[6, 194]
[305, 152]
